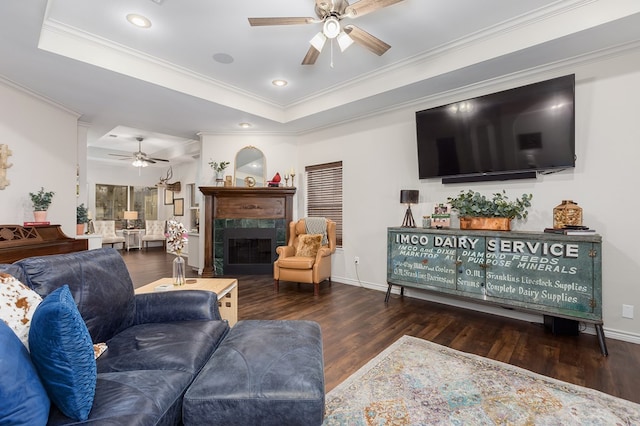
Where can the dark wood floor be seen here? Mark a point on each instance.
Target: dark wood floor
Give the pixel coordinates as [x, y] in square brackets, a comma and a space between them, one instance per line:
[357, 325]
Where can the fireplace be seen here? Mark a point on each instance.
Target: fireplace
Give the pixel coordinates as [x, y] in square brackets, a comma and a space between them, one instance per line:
[249, 250]
[248, 217]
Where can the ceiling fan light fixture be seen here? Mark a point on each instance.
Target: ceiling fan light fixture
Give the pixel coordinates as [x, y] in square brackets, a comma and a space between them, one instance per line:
[331, 27]
[318, 41]
[344, 41]
[139, 163]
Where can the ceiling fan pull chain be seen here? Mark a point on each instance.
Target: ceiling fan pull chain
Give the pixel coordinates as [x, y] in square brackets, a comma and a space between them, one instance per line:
[331, 43]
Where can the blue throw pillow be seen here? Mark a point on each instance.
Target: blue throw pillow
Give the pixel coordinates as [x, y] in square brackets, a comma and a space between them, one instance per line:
[62, 351]
[23, 400]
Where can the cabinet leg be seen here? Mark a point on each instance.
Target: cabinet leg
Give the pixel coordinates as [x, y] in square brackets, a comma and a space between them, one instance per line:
[386, 297]
[603, 344]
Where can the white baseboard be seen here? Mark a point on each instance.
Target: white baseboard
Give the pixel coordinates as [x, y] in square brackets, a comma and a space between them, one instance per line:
[496, 310]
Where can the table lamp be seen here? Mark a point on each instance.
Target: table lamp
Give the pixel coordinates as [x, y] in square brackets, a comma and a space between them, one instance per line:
[408, 197]
[130, 215]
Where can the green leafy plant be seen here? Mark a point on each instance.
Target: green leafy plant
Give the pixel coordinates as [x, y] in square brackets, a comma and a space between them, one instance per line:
[218, 167]
[41, 200]
[474, 204]
[82, 214]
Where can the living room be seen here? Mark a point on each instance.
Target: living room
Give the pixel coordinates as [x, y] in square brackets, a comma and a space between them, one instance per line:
[378, 152]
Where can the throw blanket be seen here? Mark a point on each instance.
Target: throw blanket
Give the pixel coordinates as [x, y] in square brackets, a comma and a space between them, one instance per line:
[317, 225]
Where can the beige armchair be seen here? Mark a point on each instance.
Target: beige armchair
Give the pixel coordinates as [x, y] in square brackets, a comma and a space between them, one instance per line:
[299, 262]
[154, 231]
[107, 229]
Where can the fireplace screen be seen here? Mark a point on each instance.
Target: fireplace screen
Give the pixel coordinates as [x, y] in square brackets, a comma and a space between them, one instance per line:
[249, 250]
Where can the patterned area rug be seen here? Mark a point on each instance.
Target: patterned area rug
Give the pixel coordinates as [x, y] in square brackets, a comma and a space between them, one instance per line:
[417, 382]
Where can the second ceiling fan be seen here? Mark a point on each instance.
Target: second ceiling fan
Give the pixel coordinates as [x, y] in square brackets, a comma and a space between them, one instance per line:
[330, 13]
[140, 159]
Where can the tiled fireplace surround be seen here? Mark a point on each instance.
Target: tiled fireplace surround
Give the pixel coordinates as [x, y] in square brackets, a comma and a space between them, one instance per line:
[242, 208]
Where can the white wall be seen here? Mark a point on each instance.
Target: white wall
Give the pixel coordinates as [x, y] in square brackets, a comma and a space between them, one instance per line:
[281, 152]
[43, 139]
[379, 159]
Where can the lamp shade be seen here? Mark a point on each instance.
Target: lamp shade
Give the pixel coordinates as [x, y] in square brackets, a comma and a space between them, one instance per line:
[409, 196]
[131, 215]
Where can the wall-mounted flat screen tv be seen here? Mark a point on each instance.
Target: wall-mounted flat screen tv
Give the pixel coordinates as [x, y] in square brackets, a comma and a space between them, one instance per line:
[524, 130]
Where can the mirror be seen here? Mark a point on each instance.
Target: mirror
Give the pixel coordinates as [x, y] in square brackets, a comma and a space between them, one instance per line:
[250, 167]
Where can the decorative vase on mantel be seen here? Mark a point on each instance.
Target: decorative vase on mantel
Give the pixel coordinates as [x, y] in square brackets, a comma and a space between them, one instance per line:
[178, 269]
[220, 178]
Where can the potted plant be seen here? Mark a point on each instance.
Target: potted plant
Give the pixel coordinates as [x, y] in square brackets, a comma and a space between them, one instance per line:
[82, 217]
[218, 168]
[476, 211]
[41, 201]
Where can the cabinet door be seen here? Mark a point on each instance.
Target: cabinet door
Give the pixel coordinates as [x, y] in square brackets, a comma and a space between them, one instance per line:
[415, 259]
[470, 265]
[547, 275]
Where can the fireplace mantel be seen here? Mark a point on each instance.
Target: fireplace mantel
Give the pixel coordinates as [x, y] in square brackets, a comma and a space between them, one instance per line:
[241, 203]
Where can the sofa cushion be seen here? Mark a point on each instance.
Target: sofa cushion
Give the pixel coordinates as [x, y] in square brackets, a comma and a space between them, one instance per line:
[62, 352]
[181, 346]
[149, 397]
[13, 270]
[17, 305]
[99, 282]
[23, 399]
[308, 245]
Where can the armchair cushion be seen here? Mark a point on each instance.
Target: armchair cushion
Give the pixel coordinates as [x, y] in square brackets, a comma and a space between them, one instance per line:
[296, 262]
[308, 245]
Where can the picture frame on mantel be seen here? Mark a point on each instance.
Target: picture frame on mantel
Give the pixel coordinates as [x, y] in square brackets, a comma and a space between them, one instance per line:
[168, 197]
[178, 206]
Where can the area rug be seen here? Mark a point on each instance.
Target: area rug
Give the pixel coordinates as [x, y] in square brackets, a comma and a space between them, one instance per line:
[417, 382]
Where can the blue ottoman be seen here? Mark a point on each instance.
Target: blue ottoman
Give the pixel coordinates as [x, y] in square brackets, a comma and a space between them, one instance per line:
[263, 373]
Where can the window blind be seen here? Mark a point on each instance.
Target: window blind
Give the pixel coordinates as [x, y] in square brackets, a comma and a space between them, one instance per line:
[324, 193]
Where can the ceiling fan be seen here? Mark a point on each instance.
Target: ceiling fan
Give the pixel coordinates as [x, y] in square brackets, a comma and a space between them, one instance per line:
[140, 159]
[331, 13]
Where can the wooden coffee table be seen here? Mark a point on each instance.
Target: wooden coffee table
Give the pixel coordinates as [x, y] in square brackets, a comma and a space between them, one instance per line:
[225, 288]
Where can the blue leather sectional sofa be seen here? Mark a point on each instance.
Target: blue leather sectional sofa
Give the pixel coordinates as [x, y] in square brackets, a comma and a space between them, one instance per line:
[157, 343]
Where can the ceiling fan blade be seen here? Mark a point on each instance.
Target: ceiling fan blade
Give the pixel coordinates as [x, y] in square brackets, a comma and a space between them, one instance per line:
[120, 155]
[363, 7]
[260, 22]
[365, 39]
[311, 56]
[157, 159]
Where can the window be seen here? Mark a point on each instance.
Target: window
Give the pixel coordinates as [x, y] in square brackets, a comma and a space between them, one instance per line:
[324, 193]
[113, 200]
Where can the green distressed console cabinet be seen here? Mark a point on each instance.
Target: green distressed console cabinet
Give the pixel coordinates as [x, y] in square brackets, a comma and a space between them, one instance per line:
[552, 274]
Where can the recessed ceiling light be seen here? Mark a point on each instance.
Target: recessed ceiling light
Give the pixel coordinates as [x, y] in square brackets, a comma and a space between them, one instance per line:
[138, 20]
[279, 83]
[245, 125]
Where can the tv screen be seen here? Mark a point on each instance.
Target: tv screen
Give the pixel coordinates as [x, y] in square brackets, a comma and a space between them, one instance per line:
[526, 129]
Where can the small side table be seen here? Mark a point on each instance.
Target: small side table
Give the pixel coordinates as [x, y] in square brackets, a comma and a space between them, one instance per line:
[133, 238]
